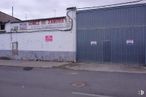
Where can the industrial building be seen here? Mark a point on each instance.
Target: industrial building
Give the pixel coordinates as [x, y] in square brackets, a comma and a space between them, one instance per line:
[114, 34]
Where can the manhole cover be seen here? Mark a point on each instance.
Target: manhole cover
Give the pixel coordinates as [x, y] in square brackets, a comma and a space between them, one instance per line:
[79, 84]
[27, 68]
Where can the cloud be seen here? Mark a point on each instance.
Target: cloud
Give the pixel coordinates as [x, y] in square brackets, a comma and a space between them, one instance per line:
[31, 9]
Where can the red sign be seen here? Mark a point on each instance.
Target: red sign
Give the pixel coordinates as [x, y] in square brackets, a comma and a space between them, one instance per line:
[48, 38]
[60, 20]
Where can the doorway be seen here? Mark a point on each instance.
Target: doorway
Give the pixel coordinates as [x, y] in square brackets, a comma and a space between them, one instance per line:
[106, 51]
[14, 48]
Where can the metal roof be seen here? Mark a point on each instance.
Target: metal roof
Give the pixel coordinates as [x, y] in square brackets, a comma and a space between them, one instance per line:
[41, 19]
[118, 5]
[7, 18]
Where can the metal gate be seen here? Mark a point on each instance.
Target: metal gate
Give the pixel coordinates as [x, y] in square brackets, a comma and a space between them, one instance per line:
[115, 34]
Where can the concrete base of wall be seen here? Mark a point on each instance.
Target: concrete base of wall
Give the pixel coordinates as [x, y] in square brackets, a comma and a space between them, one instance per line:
[39, 55]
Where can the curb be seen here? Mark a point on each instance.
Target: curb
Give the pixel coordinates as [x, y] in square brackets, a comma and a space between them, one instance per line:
[142, 71]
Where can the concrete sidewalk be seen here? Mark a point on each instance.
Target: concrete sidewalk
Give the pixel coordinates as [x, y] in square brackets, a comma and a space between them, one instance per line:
[39, 64]
[107, 67]
[76, 66]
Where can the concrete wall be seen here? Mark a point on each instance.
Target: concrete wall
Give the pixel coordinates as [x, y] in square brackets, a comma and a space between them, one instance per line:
[52, 45]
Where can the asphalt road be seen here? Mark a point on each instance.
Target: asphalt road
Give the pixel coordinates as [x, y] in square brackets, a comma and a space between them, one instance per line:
[16, 82]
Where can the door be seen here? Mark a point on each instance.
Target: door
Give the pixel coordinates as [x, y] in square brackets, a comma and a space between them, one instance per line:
[14, 48]
[107, 51]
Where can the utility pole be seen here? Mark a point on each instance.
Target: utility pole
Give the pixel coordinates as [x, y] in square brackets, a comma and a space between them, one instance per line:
[12, 11]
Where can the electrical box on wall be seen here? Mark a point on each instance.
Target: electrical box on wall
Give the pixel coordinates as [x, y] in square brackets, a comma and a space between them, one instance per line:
[14, 48]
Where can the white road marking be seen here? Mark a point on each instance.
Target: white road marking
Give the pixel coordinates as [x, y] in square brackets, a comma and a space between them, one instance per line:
[141, 92]
[87, 94]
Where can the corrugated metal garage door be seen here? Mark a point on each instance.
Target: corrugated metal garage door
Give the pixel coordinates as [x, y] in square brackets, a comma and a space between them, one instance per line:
[115, 35]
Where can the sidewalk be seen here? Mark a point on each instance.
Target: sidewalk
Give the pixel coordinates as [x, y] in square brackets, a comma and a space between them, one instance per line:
[107, 67]
[76, 66]
[39, 64]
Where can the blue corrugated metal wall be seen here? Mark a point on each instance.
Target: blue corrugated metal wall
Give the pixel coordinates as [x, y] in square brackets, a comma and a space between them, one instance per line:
[123, 27]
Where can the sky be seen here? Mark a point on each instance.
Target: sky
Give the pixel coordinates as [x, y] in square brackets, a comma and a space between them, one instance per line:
[34, 9]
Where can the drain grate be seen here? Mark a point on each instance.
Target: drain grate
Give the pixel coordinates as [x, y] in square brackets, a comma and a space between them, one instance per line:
[27, 68]
[79, 84]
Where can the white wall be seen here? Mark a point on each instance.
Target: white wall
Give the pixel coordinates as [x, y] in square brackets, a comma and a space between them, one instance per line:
[62, 41]
[35, 41]
[5, 42]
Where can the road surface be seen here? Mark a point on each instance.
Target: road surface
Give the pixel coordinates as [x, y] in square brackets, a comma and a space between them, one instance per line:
[17, 82]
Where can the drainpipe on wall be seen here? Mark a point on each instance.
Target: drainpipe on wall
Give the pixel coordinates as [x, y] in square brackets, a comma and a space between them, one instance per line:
[71, 16]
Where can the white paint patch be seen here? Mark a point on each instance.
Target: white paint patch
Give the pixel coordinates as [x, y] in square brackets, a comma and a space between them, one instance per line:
[129, 41]
[87, 94]
[93, 43]
[74, 73]
[23, 86]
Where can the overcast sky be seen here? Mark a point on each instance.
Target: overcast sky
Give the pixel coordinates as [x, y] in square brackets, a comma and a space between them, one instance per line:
[32, 9]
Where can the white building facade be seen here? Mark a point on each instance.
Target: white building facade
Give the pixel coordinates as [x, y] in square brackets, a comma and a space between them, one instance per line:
[52, 39]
